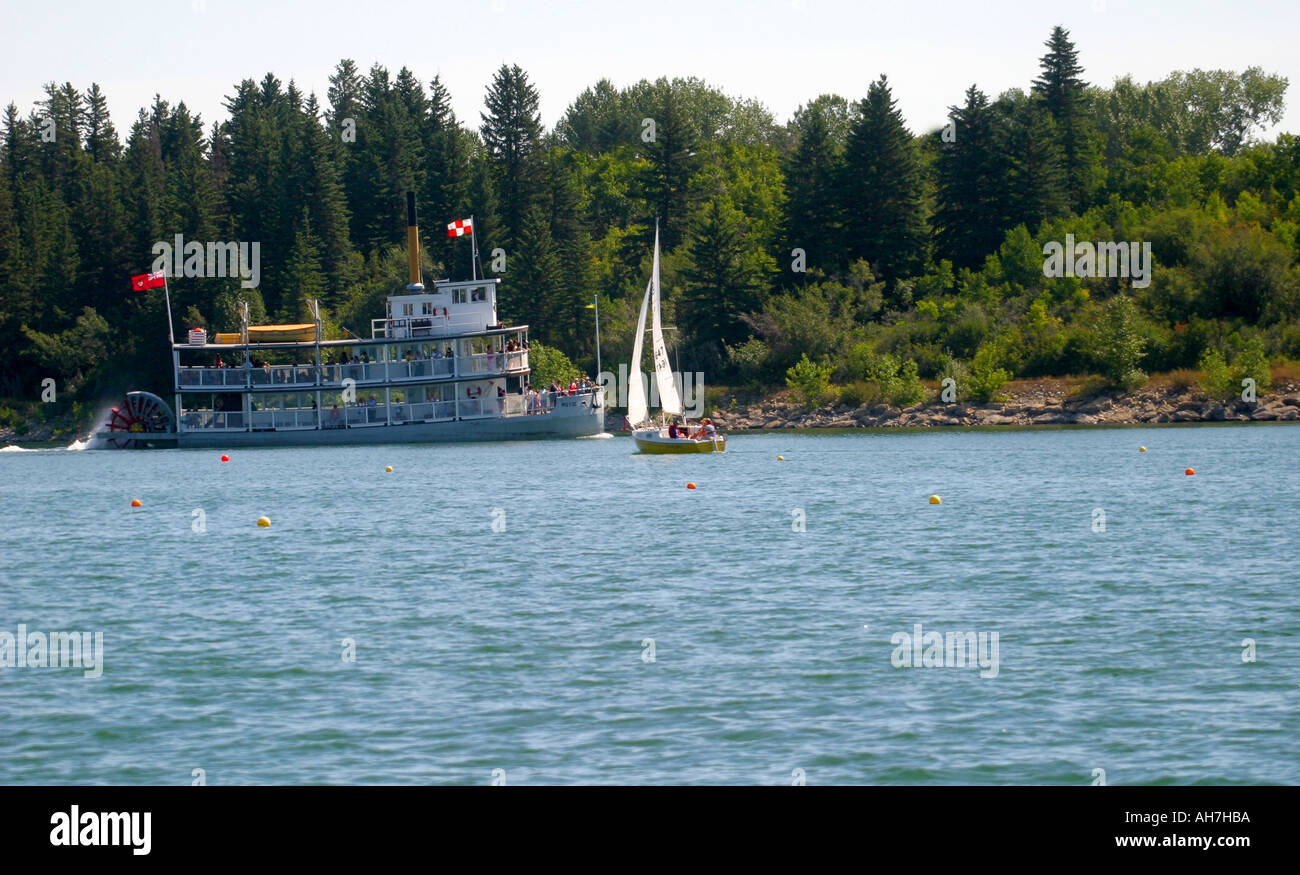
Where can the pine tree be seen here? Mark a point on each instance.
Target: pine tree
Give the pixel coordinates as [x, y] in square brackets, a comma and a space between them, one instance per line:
[672, 156]
[724, 280]
[1065, 95]
[537, 281]
[444, 197]
[1036, 180]
[881, 189]
[972, 211]
[303, 278]
[512, 136]
[813, 170]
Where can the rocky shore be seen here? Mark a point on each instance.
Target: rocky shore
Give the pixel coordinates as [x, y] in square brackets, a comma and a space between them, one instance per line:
[1029, 404]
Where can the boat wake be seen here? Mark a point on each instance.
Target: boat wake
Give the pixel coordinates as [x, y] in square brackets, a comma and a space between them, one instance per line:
[601, 436]
[14, 448]
[76, 446]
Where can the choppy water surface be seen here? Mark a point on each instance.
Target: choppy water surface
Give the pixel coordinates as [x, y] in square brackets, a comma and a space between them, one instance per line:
[523, 646]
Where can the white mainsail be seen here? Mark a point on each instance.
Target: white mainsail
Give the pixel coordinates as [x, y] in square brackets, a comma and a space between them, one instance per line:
[637, 412]
[668, 398]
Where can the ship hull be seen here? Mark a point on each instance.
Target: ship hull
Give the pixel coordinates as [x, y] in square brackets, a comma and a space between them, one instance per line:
[467, 430]
[578, 421]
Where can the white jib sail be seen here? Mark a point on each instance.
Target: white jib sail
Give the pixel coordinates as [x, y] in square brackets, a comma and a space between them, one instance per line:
[668, 398]
[637, 411]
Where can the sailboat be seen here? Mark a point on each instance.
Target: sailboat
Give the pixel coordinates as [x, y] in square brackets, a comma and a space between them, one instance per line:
[664, 437]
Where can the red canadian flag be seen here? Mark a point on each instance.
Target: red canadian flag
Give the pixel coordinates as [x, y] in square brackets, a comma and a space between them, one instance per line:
[460, 228]
[153, 280]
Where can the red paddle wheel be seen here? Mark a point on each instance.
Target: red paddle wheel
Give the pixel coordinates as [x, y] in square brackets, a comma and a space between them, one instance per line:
[142, 414]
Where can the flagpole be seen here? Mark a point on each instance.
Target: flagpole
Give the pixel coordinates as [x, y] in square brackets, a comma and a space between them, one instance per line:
[595, 302]
[473, 249]
[167, 295]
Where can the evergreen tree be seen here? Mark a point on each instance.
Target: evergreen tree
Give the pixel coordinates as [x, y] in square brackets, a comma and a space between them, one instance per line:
[881, 189]
[1065, 95]
[537, 281]
[971, 214]
[444, 197]
[1036, 180]
[814, 221]
[512, 136]
[724, 280]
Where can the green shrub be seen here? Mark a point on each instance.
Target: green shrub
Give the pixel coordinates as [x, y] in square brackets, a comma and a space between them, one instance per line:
[906, 388]
[1223, 381]
[1252, 362]
[749, 360]
[550, 365]
[957, 371]
[810, 381]
[1118, 343]
[860, 392]
[986, 378]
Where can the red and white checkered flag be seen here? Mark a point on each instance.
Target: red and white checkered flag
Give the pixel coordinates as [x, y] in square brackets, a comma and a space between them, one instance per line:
[460, 228]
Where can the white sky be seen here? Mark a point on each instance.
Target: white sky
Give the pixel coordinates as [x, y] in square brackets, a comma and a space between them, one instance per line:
[781, 52]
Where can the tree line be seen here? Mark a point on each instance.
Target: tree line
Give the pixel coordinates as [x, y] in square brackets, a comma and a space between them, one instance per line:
[840, 238]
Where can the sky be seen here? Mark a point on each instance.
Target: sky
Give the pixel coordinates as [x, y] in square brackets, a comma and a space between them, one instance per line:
[779, 52]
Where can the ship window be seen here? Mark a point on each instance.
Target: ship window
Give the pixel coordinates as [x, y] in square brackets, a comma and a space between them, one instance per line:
[458, 296]
[426, 309]
[479, 293]
[408, 309]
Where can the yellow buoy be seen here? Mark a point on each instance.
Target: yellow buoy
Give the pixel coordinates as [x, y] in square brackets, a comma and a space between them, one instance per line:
[389, 469]
[135, 502]
[264, 522]
[780, 458]
[1142, 449]
[934, 499]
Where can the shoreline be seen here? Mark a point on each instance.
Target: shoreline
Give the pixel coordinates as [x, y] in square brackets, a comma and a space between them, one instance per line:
[1029, 403]
[1043, 402]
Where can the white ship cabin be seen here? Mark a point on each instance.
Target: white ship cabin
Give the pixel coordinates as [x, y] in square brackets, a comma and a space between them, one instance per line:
[437, 356]
[450, 308]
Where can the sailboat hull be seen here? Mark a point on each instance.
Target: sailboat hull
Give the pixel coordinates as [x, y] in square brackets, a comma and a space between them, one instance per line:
[656, 441]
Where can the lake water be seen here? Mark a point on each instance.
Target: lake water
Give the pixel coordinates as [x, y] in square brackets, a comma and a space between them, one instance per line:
[500, 599]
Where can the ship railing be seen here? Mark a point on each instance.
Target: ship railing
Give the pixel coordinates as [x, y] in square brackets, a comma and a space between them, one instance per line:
[472, 408]
[298, 417]
[493, 362]
[376, 414]
[421, 369]
[204, 377]
[335, 374]
[212, 420]
[411, 326]
[283, 375]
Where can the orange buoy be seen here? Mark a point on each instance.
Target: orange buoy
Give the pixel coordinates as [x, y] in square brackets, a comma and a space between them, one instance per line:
[1190, 471]
[225, 458]
[690, 485]
[135, 502]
